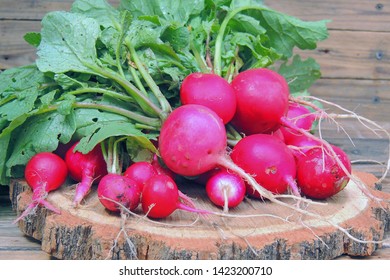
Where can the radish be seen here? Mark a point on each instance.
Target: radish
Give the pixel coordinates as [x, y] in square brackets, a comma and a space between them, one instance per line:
[262, 100]
[192, 140]
[225, 189]
[44, 172]
[210, 90]
[269, 161]
[116, 191]
[85, 169]
[299, 144]
[319, 175]
[140, 172]
[160, 198]
[301, 117]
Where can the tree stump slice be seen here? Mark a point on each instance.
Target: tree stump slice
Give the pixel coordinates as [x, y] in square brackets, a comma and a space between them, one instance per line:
[91, 232]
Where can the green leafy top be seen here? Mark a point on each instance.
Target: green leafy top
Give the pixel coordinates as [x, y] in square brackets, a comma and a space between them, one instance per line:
[109, 74]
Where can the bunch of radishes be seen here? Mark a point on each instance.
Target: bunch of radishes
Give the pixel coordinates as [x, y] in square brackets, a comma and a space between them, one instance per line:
[244, 137]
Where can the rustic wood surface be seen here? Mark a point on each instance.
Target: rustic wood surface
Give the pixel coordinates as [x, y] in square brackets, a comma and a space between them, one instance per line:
[355, 74]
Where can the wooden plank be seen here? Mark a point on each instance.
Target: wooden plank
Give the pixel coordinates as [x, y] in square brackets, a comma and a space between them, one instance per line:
[353, 54]
[24, 255]
[344, 15]
[14, 51]
[347, 15]
[355, 91]
[35, 9]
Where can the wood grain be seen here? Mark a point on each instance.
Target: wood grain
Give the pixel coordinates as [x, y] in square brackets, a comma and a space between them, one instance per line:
[357, 15]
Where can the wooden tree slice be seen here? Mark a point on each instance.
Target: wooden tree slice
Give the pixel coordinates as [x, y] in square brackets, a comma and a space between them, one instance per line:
[264, 230]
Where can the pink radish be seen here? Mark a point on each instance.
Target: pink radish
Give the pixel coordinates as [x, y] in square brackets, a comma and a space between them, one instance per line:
[269, 161]
[85, 169]
[192, 140]
[301, 117]
[160, 198]
[225, 189]
[44, 172]
[209, 90]
[140, 172]
[299, 144]
[116, 191]
[319, 175]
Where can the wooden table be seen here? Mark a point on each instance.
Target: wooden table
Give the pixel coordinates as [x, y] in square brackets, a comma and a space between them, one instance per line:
[355, 74]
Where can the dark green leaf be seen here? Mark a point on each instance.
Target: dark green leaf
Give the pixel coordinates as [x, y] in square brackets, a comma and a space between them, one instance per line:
[33, 38]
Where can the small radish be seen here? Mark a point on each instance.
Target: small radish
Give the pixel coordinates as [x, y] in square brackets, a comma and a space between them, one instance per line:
[115, 191]
[160, 198]
[301, 117]
[209, 90]
[140, 172]
[85, 169]
[268, 160]
[44, 172]
[319, 175]
[225, 189]
[299, 144]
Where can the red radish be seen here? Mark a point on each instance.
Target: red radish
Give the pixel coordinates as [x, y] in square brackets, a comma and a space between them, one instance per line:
[225, 189]
[160, 198]
[140, 172]
[115, 191]
[44, 172]
[319, 175]
[300, 144]
[262, 100]
[268, 160]
[85, 169]
[301, 117]
[209, 90]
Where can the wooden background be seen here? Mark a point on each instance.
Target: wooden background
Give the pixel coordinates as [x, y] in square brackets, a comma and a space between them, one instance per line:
[355, 74]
